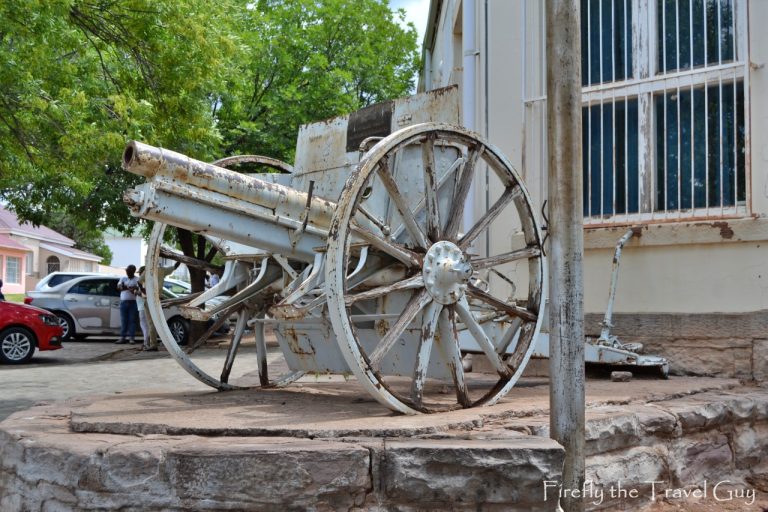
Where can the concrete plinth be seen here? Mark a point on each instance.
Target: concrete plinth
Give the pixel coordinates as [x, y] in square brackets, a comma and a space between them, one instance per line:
[327, 446]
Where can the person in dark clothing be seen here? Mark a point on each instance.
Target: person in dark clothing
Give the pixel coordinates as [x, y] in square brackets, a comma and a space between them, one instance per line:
[2, 297]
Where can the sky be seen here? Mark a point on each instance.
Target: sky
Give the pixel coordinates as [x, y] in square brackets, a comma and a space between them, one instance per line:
[416, 11]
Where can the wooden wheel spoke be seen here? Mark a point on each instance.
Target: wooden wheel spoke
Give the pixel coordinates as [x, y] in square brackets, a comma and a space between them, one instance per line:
[510, 334]
[406, 284]
[462, 308]
[448, 342]
[383, 227]
[507, 257]
[428, 329]
[223, 317]
[412, 308]
[395, 250]
[460, 198]
[430, 188]
[409, 220]
[510, 194]
[261, 351]
[234, 346]
[510, 309]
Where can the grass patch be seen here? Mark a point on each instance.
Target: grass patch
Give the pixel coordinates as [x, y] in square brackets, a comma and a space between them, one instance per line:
[15, 297]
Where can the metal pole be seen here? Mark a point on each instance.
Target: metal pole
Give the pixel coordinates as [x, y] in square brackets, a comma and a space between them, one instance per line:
[566, 311]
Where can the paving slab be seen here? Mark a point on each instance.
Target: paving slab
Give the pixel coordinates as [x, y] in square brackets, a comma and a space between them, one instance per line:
[337, 408]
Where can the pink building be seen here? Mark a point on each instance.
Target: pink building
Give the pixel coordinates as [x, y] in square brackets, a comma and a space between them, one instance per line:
[12, 265]
[29, 253]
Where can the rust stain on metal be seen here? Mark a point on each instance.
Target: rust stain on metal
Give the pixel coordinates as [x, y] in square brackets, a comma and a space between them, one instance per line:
[726, 231]
[292, 338]
[382, 327]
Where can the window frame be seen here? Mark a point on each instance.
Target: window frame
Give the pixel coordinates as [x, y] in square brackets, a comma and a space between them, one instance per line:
[52, 260]
[646, 82]
[18, 275]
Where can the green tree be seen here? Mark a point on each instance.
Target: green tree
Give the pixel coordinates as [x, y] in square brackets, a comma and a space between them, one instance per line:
[80, 77]
[308, 60]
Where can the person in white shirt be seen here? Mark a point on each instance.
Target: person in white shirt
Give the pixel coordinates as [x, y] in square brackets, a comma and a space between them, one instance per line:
[147, 329]
[129, 287]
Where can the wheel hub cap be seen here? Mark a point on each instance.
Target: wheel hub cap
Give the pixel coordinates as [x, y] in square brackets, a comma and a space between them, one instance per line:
[446, 272]
[15, 346]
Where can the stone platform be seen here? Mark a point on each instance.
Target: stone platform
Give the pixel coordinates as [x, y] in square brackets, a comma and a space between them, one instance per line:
[325, 445]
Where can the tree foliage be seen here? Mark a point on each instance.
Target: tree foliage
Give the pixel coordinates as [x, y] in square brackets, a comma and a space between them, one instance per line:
[81, 77]
[307, 60]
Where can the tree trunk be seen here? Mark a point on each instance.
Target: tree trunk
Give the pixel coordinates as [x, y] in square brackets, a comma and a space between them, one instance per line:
[193, 246]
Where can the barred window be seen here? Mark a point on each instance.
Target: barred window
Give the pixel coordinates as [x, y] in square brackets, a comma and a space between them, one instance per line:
[52, 264]
[664, 129]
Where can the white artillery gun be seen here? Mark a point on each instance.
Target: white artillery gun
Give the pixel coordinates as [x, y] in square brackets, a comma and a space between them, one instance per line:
[371, 267]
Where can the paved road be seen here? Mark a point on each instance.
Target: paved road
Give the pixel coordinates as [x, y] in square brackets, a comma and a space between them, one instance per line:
[95, 367]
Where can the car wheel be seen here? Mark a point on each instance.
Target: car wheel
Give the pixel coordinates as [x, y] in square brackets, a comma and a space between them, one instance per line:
[67, 324]
[180, 329]
[16, 345]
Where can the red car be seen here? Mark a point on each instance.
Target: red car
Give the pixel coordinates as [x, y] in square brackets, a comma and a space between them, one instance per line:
[22, 328]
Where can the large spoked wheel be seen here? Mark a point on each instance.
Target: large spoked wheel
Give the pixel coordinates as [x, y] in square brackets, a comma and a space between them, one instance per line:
[447, 297]
[270, 370]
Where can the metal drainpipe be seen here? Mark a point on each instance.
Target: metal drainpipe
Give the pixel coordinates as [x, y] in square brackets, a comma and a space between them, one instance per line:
[486, 49]
[428, 70]
[468, 95]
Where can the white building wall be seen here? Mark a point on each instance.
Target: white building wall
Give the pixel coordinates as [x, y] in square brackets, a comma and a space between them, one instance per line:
[127, 251]
[716, 265]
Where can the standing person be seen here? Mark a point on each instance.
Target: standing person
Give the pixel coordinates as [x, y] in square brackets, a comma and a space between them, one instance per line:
[2, 297]
[129, 287]
[147, 328]
[150, 338]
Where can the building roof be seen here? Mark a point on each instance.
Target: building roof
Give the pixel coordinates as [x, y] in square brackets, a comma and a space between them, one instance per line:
[7, 242]
[70, 252]
[9, 224]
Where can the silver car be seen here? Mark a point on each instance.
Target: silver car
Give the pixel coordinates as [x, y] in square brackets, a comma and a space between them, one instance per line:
[90, 305]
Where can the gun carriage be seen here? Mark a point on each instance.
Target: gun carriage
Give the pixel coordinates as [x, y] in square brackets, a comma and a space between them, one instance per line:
[366, 258]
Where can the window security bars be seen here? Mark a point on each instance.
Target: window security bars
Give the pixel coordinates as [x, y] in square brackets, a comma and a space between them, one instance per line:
[665, 112]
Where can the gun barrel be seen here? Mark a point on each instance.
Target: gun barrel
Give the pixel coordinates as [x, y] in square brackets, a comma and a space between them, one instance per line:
[202, 197]
[151, 162]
